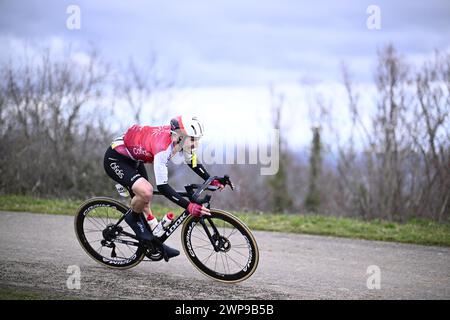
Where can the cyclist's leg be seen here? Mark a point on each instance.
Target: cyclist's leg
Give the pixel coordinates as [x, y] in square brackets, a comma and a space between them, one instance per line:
[143, 188]
[120, 168]
[124, 171]
[143, 192]
[133, 176]
[143, 172]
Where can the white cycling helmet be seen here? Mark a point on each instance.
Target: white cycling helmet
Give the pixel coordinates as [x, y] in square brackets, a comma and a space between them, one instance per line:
[188, 126]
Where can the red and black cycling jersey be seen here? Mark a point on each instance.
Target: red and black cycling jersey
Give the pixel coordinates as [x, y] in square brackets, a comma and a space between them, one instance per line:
[154, 145]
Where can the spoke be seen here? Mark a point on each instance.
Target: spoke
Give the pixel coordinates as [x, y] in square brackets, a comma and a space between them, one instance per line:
[120, 251]
[200, 239]
[93, 223]
[100, 216]
[232, 232]
[228, 265]
[239, 253]
[132, 251]
[215, 264]
[202, 230]
[203, 246]
[234, 262]
[92, 220]
[107, 216]
[91, 230]
[203, 233]
[224, 269]
[205, 262]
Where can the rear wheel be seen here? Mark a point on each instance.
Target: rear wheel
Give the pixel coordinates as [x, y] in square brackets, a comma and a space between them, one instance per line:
[236, 255]
[107, 244]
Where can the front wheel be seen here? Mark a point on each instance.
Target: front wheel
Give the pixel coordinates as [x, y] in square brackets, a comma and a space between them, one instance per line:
[220, 246]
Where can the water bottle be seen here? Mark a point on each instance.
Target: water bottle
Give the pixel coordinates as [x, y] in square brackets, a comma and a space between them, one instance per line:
[122, 191]
[163, 224]
[152, 221]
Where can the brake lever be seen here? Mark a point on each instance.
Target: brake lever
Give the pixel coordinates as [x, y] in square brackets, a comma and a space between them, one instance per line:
[226, 181]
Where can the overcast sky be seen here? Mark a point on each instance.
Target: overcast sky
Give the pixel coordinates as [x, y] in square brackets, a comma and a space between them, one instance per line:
[228, 52]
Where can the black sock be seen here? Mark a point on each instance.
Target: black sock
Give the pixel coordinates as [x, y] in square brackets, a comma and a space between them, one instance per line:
[138, 223]
[134, 213]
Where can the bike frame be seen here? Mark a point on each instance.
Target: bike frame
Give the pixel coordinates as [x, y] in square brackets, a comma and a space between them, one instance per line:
[180, 219]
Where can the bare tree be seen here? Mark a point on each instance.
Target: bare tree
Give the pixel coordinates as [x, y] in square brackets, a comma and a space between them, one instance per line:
[402, 169]
[279, 193]
[45, 97]
[430, 132]
[138, 83]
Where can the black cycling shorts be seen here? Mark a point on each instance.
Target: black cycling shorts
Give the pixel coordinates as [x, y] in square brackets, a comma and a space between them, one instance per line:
[123, 170]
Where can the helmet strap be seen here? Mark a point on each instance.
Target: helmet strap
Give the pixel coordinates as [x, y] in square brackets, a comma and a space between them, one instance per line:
[180, 141]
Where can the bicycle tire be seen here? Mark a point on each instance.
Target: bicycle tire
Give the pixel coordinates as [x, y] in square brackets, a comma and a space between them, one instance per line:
[80, 217]
[252, 260]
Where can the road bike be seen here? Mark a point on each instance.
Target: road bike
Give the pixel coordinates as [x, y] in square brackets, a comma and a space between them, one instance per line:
[220, 246]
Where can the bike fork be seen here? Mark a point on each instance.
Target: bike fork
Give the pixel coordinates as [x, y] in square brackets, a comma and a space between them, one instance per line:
[211, 237]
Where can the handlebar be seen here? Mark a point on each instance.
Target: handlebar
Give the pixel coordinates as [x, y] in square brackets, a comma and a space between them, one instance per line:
[199, 191]
[225, 180]
[193, 191]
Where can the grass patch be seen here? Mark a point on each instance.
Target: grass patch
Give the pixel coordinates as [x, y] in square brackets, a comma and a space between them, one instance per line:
[51, 206]
[38, 205]
[415, 231]
[418, 231]
[25, 294]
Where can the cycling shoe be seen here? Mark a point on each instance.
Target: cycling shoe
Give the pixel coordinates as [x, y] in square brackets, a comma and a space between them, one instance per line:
[169, 252]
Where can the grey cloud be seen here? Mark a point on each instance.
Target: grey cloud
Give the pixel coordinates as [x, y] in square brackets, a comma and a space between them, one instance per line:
[238, 42]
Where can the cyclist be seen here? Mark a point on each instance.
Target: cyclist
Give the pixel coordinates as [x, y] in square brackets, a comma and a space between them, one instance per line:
[124, 163]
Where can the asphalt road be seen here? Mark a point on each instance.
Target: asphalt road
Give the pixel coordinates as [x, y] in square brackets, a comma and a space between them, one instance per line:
[36, 251]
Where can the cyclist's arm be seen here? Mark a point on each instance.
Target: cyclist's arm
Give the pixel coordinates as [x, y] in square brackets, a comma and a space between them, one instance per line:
[199, 169]
[172, 195]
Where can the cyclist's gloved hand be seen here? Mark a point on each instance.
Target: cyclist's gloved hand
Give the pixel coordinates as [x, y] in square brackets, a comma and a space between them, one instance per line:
[197, 210]
[217, 183]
